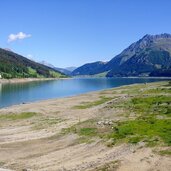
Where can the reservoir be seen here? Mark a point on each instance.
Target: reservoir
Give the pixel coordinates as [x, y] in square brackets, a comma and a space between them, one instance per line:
[17, 93]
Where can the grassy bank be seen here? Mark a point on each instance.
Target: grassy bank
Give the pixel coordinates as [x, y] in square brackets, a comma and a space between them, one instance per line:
[151, 124]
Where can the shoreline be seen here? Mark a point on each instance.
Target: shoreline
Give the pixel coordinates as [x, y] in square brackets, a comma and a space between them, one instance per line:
[24, 80]
[123, 77]
[91, 93]
[13, 81]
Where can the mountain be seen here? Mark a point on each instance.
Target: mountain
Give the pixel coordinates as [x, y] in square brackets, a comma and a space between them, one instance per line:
[46, 64]
[8, 49]
[90, 69]
[150, 56]
[71, 68]
[13, 65]
[62, 70]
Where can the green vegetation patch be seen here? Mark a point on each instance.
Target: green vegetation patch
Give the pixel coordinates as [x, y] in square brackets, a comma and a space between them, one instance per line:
[157, 91]
[85, 128]
[151, 123]
[154, 105]
[56, 74]
[2, 163]
[88, 131]
[165, 152]
[84, 139]
[147, 105]
[103, 74]
[16, 66]
[33, 73]
[24, 115]
[169, 83]
[147, 129]
[46, 122]
[131, 91]
[110, 166]
[86, 105]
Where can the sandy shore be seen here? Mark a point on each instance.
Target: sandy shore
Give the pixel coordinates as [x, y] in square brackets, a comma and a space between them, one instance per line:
[22, 80]
[37, 143]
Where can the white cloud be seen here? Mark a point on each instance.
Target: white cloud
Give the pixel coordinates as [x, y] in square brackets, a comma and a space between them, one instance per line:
[18, 36]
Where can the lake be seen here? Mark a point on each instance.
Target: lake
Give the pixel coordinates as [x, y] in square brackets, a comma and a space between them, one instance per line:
[17, 93]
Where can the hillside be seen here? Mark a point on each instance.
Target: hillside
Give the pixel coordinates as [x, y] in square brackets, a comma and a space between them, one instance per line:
[150, 56]
[72, 68]
[90, 68]
[66, 71]
[63, 70]
[13, 65]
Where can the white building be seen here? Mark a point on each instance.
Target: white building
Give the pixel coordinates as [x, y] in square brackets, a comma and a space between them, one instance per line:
[0, 76]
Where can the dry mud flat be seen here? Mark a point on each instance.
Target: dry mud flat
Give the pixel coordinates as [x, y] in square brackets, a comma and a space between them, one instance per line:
[80, 133]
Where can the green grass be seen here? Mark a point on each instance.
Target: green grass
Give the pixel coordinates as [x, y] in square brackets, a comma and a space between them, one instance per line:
[165, 152]
[151, 123]
[157, 105]
[157, 91]
[85, 128]
[110, 166]
[148, 105]
[55, 74]
[33, 73]
[103, 74]
[24, 115]
[86, 105]
[46, 122]
[131, 91]
[84, 139]
[88, 131]
[148, 129]
[2, 163]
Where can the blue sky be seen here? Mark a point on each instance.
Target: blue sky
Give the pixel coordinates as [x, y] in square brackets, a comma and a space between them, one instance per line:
[74, 32]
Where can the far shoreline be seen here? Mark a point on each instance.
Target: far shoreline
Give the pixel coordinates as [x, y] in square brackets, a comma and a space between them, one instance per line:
[25, 80]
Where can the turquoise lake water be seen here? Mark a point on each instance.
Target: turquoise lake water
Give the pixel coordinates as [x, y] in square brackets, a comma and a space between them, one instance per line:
[11, 94]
